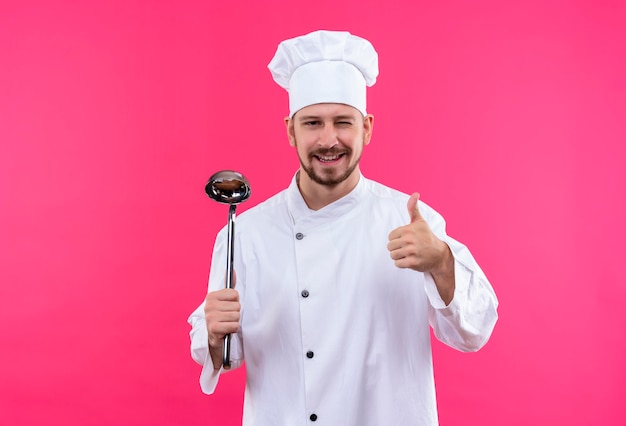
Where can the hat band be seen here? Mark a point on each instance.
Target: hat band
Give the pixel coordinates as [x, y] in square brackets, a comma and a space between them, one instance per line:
[327, 82]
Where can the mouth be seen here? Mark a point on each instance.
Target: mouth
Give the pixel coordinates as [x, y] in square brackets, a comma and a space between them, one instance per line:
[328, 158]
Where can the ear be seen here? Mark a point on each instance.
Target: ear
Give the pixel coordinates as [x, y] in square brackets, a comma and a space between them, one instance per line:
[368, 128]
[291, 133]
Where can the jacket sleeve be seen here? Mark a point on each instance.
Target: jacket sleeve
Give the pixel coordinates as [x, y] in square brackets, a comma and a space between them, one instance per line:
[468, 321]
[199, 335]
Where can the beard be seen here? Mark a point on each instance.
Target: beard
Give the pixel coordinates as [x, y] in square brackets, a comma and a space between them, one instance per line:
[330, 176]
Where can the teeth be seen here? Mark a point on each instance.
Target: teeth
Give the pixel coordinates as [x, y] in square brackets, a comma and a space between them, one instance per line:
[328, 158]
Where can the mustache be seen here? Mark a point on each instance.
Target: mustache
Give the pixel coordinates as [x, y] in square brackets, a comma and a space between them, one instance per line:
[322, 152]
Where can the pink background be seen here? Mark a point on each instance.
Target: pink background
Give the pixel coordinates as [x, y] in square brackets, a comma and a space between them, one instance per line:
[508, 117]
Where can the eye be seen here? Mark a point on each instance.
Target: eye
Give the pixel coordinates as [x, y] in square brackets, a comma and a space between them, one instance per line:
[311, 123]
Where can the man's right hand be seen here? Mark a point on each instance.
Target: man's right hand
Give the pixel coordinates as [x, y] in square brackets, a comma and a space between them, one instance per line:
[222, 312]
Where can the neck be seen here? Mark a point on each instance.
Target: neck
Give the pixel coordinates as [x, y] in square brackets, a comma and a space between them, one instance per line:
[317, 196]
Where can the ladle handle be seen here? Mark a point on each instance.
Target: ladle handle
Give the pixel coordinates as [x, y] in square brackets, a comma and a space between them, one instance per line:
[226, 359]
[230, 272]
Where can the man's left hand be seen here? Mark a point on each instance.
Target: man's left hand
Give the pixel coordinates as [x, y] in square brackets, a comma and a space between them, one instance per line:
[415, 246]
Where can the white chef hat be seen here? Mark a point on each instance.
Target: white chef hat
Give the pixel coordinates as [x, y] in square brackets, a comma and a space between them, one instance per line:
[325, 66]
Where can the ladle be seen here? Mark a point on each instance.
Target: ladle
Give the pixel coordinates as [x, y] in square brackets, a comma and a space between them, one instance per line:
[228, 187]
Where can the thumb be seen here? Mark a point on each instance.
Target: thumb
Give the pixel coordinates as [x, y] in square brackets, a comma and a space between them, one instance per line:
[411, 206]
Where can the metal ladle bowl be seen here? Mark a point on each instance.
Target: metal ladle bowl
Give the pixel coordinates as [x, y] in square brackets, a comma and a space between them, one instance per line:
[228, 187]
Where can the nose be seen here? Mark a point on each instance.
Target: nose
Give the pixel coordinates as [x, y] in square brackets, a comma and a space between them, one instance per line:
[328, 137]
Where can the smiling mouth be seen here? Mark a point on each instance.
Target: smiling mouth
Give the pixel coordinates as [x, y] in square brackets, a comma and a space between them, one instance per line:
[328, 158]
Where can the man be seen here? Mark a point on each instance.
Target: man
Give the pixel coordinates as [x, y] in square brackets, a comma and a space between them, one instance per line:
[338, 277]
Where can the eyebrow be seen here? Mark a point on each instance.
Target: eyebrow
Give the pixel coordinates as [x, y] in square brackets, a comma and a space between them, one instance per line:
[317, 117]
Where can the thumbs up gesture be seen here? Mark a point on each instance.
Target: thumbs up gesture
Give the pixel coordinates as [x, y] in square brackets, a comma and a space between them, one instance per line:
[415, 246]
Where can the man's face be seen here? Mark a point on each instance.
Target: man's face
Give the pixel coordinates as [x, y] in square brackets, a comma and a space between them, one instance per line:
[329, 139]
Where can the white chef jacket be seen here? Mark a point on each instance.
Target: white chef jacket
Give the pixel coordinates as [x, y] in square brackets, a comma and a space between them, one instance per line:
[332, 332]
